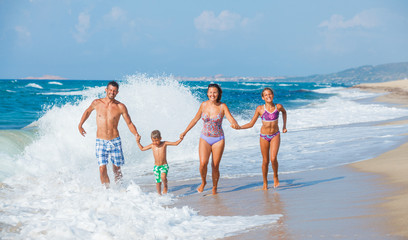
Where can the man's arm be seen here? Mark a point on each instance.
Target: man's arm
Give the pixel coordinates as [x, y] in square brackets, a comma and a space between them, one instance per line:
[127, 119]
[140, 145]
[85, 116]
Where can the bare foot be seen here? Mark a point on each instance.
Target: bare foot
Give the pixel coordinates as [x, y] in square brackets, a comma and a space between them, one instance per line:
[165, 191]
[214, 190]
[265, 186]
[275, 181]
[201, 187]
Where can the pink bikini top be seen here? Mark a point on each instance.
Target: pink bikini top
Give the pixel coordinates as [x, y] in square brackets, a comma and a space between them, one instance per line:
[270, 117]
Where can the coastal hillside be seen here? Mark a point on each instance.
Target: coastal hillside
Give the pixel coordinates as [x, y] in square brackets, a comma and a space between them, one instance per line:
[363, 74]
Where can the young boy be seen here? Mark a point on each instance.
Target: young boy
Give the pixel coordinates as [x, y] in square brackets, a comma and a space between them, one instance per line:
[160, 163]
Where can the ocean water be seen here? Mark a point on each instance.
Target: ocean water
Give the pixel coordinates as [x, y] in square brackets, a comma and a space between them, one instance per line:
[49, 176]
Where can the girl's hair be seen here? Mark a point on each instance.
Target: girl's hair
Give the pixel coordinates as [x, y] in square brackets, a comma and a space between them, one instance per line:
[219, 90]
[265, 89]
[156, 134]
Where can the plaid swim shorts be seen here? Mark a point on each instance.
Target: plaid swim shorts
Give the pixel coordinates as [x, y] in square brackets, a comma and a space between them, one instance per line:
[109, 149]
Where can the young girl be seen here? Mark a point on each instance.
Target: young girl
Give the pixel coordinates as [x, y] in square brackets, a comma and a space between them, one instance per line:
[270, 135]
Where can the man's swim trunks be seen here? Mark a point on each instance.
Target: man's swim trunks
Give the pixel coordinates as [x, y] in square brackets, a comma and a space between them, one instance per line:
[158, 170]
[109, 149]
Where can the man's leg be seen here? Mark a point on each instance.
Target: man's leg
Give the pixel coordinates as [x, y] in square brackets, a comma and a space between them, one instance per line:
[104, 175]
[117, 172]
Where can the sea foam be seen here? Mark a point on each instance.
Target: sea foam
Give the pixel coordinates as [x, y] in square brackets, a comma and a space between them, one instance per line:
[54, 191]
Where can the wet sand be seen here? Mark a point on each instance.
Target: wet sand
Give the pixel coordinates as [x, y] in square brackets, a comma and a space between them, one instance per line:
[364, 200]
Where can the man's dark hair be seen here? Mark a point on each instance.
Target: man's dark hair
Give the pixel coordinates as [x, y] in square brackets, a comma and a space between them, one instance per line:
[114, 84]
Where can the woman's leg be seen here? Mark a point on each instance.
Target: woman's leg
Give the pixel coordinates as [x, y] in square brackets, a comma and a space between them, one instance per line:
[217, 151]
[274, 148]
[265, 161]
[204, 151]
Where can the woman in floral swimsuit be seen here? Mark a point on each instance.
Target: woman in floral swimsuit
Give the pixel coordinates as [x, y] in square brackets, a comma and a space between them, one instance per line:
[212, 136]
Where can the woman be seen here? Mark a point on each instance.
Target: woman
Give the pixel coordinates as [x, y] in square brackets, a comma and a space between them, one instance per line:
[212, 139]
[270, 135]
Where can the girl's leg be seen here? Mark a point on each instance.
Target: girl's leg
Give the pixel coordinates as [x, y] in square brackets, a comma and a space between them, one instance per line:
[217, 151]
[274, 148]
[204, 151]
[265, 161]
[164, 180]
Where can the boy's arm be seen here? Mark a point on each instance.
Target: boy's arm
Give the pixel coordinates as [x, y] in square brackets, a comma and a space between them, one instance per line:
[253, 120]
[140, 145]
[173, 143]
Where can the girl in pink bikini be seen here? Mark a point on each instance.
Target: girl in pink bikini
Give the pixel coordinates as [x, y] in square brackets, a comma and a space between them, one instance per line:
[212, 135]
[270, 135]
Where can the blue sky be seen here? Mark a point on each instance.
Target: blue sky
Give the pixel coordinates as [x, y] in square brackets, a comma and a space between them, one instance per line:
[103, 39]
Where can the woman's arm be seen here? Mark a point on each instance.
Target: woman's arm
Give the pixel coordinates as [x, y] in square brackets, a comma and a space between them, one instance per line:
[231, 119]
[193, 121]
[253, 120]
[284, 116]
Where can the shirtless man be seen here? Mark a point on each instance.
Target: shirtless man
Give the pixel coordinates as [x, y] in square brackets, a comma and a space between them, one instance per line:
[108, 143]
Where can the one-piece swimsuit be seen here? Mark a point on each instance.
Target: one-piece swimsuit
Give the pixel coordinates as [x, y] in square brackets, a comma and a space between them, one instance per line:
[212, 128]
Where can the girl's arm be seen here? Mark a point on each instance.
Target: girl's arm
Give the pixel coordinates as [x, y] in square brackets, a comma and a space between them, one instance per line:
[231, 119]
[140, 145]
[173, 143]
[284, 116]
[193, 121]
[253, 120]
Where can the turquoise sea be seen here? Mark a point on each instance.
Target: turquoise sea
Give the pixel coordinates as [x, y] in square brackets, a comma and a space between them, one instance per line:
[49, 174]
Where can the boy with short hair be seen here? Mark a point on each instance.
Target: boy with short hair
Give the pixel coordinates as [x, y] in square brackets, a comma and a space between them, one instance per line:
[160, 162]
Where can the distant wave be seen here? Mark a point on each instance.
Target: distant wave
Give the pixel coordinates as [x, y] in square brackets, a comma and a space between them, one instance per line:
[34, 85]
[55, 83]
[10, 91]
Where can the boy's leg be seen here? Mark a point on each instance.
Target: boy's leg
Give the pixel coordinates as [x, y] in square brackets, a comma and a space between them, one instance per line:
[164, 180]
[204, 151]
[117, 172]
[103, 173]
[274, 148]
[217, 151]
[158, 188]
[265, 161]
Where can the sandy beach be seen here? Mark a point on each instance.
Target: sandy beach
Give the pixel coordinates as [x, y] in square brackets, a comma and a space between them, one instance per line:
[363, 200]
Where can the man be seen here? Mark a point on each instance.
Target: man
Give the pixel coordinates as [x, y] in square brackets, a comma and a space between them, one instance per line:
[108, 143]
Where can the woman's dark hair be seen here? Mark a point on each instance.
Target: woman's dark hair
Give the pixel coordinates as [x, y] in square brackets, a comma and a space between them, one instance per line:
[114, 84]
[265, 89]
[219, 90]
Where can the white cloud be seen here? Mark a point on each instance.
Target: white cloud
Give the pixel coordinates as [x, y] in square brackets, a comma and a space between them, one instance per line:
[116, 14]
[82, 27]
[23, 33]
[365, 19]
[225, 21]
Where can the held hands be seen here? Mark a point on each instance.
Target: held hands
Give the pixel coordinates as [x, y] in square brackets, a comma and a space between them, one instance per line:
[138, 137]
[182, 135]
[235, 126]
